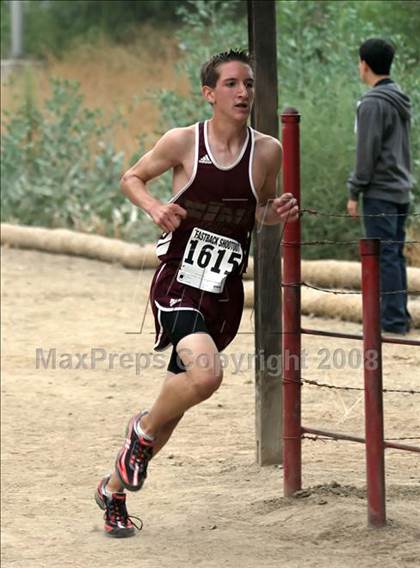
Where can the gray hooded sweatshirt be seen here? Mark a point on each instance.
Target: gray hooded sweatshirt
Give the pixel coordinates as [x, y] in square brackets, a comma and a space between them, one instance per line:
[383, 145]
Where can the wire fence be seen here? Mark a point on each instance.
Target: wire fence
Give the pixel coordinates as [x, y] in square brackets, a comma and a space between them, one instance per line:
[348, 292]
[352, 242]
[314, 383]
[347, 215]
[316, 438]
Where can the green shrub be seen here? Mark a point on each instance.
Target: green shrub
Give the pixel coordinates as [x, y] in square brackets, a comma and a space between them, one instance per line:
[59, 168]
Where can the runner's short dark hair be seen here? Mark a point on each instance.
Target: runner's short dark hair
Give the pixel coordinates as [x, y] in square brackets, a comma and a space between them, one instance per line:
[209, 72]
[378, 54]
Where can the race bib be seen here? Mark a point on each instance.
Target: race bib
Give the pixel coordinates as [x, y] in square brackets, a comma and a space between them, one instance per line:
[208, 260]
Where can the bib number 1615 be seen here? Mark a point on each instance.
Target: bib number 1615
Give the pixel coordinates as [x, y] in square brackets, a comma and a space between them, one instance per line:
[214, 258]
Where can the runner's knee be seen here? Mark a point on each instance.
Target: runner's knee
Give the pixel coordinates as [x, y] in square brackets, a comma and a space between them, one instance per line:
[202, 363]
[206, 373]
[206, 383]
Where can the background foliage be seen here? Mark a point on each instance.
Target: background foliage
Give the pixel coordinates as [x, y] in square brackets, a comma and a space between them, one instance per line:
[56, 25]
[61, 169]
[318, 74]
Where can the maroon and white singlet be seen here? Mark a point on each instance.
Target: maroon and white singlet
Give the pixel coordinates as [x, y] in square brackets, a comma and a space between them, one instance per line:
[204, 258]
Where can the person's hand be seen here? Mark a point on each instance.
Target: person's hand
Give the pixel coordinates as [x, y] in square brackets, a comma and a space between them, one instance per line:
[168, 216]
[352, 208]
[285, 208]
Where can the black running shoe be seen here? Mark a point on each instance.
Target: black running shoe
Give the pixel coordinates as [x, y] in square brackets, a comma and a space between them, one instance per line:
[118, 522]
[133, 458]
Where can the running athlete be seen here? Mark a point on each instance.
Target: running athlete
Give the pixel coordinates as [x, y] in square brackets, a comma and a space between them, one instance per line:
[224, 179]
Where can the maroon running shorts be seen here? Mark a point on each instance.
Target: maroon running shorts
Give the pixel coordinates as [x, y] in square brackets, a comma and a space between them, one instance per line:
[221, 312]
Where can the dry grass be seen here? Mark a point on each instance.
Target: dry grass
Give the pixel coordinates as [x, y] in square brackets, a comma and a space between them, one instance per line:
[111, 77]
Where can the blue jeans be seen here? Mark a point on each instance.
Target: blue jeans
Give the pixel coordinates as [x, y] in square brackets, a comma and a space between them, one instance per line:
[394, 314]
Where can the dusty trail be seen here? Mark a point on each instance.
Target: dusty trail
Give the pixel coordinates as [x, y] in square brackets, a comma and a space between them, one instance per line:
[206, 502]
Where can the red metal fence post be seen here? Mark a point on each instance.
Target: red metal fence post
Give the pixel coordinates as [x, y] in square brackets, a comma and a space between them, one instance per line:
[372, 348]
[291, 352]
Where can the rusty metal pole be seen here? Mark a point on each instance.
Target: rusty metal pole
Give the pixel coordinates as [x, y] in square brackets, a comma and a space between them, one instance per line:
[372, 347]
[291, 352]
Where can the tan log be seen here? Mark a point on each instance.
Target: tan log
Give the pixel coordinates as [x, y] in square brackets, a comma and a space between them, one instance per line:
[323, 304]
[329, 274]
[63, 241]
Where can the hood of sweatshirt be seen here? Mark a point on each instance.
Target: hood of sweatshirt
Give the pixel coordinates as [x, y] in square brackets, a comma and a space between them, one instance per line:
[392, 93]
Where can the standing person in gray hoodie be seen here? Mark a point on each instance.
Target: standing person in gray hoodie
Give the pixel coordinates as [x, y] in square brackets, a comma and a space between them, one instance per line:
[382, 175]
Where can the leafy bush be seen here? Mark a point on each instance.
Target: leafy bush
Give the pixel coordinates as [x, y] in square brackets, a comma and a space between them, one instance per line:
[60, 169]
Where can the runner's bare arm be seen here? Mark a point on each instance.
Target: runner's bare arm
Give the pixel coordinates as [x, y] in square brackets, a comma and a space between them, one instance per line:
[165, 155]
[271, 209]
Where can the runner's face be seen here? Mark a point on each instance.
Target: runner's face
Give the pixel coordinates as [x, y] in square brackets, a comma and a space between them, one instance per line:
[233, 94]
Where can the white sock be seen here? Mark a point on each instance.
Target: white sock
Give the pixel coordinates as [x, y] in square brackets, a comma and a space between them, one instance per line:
[139, 430]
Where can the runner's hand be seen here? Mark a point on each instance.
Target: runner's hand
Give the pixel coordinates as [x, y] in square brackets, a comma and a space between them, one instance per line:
[286, 208]
[168, 216]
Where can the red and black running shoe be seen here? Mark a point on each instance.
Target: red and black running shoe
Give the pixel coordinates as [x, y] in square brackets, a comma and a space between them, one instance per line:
[133, 458]
[118, 522]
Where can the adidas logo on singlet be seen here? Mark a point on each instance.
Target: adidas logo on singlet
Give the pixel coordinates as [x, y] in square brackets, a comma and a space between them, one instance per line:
[204, 160]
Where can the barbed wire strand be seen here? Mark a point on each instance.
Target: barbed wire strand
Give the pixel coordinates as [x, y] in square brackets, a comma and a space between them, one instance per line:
[315, 438]
[311, 382]
[347, 215]
[311, 243]
[406, 438]
[344, 292]
[300, 284]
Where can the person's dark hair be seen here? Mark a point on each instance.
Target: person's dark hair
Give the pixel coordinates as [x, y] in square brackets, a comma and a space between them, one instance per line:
[209, 73]
[378, 54]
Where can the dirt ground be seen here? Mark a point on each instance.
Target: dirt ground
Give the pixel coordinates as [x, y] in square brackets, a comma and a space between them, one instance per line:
[206, 502]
